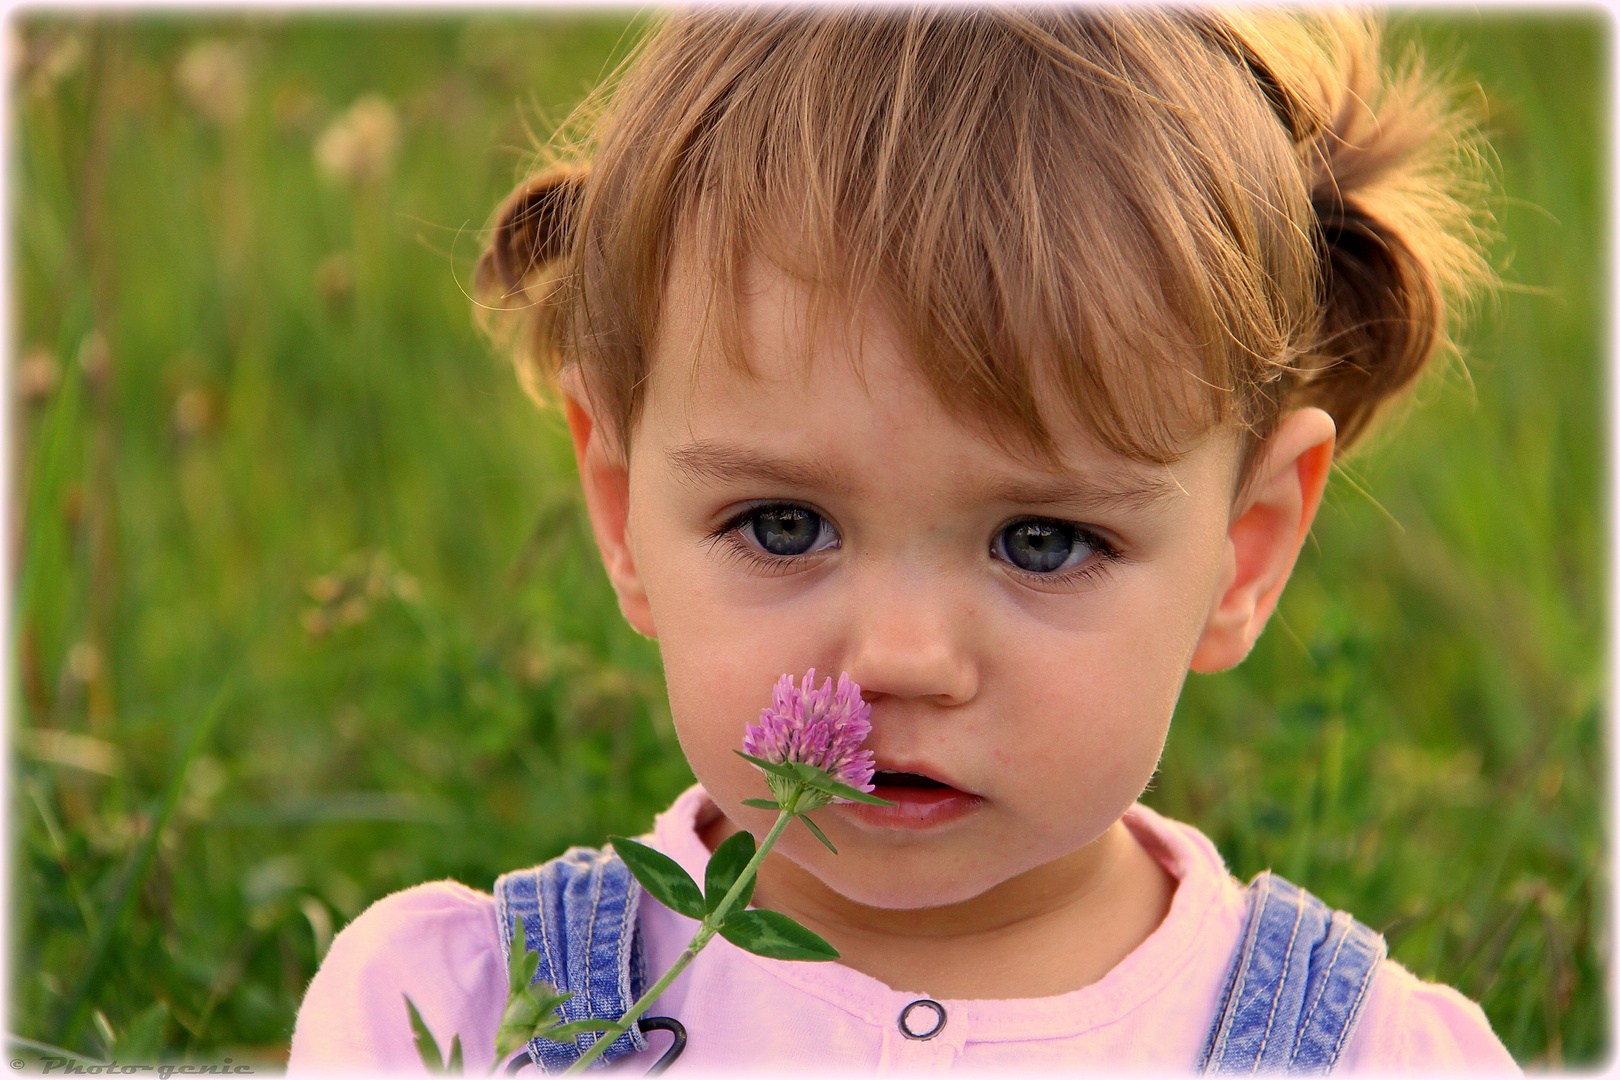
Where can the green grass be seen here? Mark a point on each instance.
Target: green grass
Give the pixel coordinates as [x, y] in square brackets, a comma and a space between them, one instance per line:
[306, 612]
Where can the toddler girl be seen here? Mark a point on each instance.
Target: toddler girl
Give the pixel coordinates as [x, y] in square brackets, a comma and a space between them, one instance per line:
[997, 358]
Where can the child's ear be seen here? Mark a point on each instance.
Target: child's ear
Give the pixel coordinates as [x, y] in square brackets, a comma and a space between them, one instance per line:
[1268, 529]
[606, 481]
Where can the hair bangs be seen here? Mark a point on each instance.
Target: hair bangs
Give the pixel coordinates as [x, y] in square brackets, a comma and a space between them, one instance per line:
[1143, 221]
[1015, 227]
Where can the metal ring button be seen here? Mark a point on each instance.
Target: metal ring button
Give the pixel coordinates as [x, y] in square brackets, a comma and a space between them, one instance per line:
[922, 1003]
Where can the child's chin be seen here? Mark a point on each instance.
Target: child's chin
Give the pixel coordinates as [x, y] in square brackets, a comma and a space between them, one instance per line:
[880, 881]
[910, 894]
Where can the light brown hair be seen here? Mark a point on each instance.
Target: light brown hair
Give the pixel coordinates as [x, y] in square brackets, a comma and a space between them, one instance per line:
[1159, 220]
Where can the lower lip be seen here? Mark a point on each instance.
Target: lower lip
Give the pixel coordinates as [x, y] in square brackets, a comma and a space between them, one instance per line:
[916, 808]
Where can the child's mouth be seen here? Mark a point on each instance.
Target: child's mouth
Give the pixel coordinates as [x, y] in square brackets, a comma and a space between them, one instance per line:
[905, 779]
[920, 801]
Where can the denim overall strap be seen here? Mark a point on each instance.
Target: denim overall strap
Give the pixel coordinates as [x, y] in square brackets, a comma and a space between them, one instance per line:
[579, 914]
[1296, 986]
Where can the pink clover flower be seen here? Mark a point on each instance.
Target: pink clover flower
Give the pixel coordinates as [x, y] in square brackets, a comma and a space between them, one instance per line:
[821, 726]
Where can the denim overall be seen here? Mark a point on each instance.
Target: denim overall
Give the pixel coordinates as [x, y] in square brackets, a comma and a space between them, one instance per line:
[1291, 1000]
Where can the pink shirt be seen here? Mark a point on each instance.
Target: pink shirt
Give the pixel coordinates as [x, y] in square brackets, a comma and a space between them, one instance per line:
[440, 944]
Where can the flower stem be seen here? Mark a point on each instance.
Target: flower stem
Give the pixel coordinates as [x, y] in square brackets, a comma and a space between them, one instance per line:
[706, 930]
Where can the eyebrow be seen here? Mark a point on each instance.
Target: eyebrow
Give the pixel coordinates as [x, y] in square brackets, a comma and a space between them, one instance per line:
[1135, 491]
[729, 464]
[718, 463]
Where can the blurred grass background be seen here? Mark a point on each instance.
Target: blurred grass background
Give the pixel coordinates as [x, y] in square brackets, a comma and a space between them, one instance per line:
[305, 609]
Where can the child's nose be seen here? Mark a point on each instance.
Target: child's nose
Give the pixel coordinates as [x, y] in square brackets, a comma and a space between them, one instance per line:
[910, 641]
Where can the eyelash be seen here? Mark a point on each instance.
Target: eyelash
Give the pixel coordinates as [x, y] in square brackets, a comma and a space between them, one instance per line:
[729, 535]
[1106, 555]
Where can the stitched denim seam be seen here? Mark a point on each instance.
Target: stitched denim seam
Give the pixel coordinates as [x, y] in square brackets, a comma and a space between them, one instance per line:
[1240, 975]
[1223, 1023]
[598, 874]
[621, 961]
[1355, 957]
[545, 934]
[622, 975]
[503, 919]
[1240, 978]
[1326, 979]
[557, 977]
[533, 1046]
[1355, 1008]
[1217, 1036]
[1259, 919]
[1288, 961]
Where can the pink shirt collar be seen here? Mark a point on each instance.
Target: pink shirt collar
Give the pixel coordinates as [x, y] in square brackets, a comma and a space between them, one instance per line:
[1207, 900]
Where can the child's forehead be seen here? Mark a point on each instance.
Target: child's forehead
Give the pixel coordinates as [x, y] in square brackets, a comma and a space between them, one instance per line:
[1095, 479]
[811, 370]
[768, 319]
[771, 336]
[829, 438]
[768, 327]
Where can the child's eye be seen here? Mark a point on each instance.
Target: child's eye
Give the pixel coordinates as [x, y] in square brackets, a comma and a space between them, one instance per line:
[787, 530]
[773, 535]
[1045, 546]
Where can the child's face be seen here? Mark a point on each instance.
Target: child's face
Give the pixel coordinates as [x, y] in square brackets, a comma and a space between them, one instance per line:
[1021, 633]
